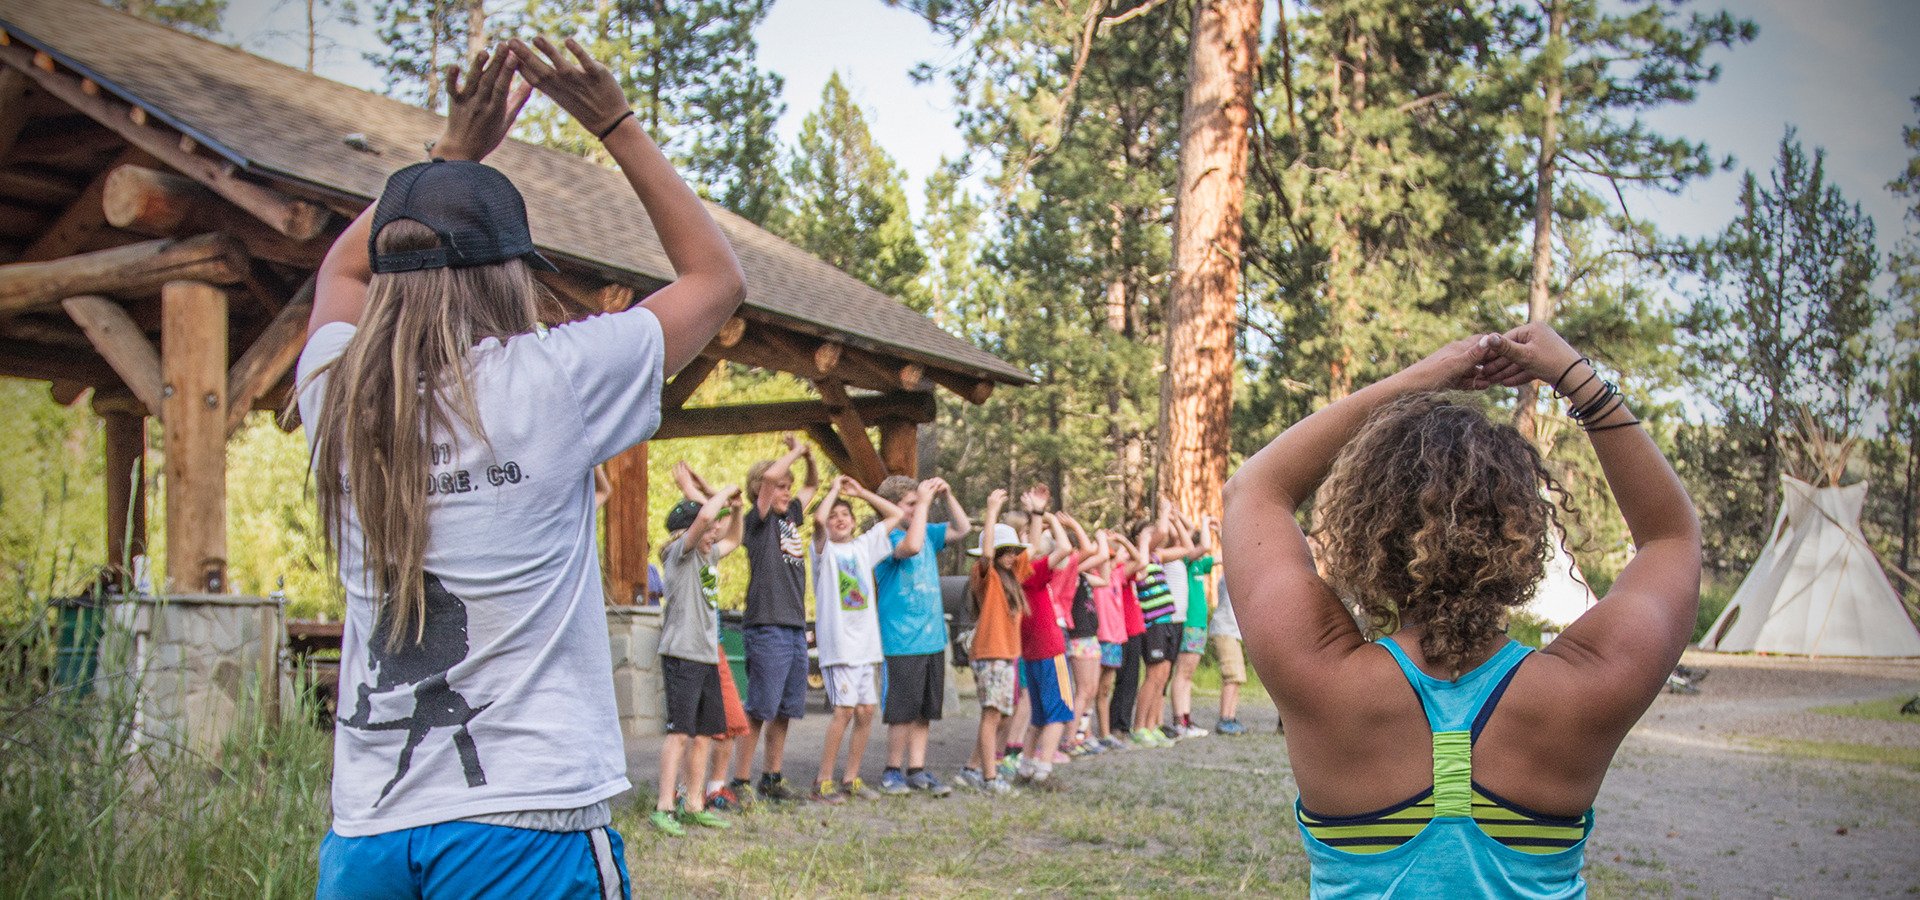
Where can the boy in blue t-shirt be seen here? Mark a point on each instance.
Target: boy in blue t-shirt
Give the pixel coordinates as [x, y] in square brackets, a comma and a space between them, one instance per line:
[913, 629]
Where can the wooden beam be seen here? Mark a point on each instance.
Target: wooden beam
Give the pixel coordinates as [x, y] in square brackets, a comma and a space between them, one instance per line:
[268, 357]
[60, 334]
[134, 268]
[122, 344]
[684, 384]
[766, 418]
[77, 224]
[65, 142]
[159, 204]
[21, 221]
[867, 466]
[973, 390]
[296, 219]
[25, 359]
[13, 109]
[900, 447]
[626, 513]
[831, 446]
[37, 188]
[193, 355]
[730, 333]
[124, 425]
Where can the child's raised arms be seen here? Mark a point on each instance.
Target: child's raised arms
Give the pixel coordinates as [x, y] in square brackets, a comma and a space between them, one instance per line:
[736, 523]
[995, 501]
[709, 511]
[890, 514]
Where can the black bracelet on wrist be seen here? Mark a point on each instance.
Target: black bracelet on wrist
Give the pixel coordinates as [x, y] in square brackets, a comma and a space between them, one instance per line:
[1629, 422]
[1569, 370]
[616, 124]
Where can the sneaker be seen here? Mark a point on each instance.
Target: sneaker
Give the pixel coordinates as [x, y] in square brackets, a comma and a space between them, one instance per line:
[723, 800]
[705, 819]
[827, 792]
[1092, 747]
[1114, 743]
[774, 787]
[970, 779]
[1170, 734]
[1024, 770]
[893, 782]
[1229, 727]
[743, 792]
[923, 780]
[1150, 738]
[1193, 731]
[663, 821]
[1000, 788]
[1009, 766]
[857, 789]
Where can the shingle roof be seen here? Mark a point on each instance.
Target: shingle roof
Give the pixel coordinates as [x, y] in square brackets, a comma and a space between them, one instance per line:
[281, 123]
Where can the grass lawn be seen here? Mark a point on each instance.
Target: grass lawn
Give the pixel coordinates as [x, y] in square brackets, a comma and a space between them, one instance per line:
[1887, 710]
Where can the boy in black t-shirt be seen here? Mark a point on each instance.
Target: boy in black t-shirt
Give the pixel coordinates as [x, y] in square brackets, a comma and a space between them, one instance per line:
[775, 627]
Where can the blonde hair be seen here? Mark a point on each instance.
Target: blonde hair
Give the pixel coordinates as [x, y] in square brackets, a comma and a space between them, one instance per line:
[388, 398]
[897, 487]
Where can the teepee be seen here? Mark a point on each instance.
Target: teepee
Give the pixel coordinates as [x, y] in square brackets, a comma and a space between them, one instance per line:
[1817, 589]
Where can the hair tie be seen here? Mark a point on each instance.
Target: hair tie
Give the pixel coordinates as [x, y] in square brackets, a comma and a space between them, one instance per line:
[616, 124]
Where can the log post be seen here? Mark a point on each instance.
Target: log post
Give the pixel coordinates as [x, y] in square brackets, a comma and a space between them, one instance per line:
[627, 526]
[900, 447]
[125, 425]
[193, 356]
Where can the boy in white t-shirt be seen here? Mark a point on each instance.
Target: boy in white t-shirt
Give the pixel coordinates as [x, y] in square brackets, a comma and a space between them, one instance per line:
[846, 626]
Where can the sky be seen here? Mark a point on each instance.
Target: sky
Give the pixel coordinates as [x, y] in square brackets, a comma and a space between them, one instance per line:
[1842, 71]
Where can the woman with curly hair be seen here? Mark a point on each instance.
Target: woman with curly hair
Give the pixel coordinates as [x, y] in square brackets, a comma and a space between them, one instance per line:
[1442, 759]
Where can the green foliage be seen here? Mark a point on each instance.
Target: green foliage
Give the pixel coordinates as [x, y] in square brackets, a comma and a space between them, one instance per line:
[273, 529]
[200, 17]
[52, 499]
[419, 39]
[848, 202]
[1896, 456]
[1715, 593]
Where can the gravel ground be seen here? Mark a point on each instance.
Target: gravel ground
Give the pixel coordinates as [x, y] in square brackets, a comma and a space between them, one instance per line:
[1699, 803]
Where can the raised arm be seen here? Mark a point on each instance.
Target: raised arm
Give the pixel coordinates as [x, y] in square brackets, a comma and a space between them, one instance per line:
[1098, 570]
[958, 525]
[691, 485]
[736, 523]
[1177, 532]
[783, 468]
[1293, 622]
[1623, 648]
[810, 484]
[709, 511]
[995, 501]
[1062, 544]
[890, 513]
[820, 514]
[709, 285]
[916, 536]
[602, 487]
[480, 112]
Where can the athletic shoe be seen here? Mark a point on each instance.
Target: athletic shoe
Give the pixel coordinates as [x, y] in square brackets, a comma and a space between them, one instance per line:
[774, 787]
[892, 782]
[970, 779]
[1170, 734]
[1151, 737]
[1229, 727]
[663, 821]
[999, 788]
[723, 800]
[1025, 770]
[827, 792]
[743, 792]
[1193, 731]
[1092, 747]
[857, 789]
[705, 819]
[924, 780]
[1115, 743]
[1009, 766]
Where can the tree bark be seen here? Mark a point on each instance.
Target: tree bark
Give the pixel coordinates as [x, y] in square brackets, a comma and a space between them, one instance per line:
[1540, 306]
[1197, 387]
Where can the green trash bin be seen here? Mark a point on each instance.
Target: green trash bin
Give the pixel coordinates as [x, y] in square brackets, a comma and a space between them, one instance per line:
[80, 622]
[734, 642]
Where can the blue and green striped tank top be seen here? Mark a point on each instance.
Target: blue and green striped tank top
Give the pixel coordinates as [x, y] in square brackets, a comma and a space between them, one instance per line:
[1456, 839]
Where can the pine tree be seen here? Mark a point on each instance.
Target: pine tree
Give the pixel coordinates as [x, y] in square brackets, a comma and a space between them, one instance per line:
[198, 16]
[1897, 453]
[848, 204]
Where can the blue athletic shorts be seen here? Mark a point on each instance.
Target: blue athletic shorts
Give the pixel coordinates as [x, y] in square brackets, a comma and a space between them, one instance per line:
[1049, 689]
[470, 860]
[776, 672]
[1110, 655]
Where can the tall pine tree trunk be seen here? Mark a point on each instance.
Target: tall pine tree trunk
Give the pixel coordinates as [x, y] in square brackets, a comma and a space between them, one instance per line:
[1540, 306]
[1197, 388]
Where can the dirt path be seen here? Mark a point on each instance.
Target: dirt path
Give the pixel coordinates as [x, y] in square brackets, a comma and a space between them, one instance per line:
[1701, 801]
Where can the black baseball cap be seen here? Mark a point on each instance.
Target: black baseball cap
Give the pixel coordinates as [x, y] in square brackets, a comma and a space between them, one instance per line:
[681, 516]
[478, 214]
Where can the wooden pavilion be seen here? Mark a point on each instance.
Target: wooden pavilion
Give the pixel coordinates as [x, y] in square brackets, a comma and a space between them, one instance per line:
[165, 200]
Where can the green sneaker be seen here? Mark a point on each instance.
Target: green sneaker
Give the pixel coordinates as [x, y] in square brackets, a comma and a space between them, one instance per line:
[662, 821]
[827, 792]
[858, 790]
[704, 819]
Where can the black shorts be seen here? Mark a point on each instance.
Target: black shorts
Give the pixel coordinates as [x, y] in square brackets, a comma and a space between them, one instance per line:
[694, 705]
[916, 688]
[1161, 643]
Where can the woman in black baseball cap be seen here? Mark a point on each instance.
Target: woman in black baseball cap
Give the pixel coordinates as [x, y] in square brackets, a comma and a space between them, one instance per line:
[454, 439]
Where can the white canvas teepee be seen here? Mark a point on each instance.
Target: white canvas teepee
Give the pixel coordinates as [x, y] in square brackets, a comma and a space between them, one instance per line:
[1562, 595]
[1817, 589]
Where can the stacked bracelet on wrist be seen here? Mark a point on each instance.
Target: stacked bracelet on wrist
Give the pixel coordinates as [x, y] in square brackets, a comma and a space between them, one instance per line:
[616, 124]
[1596, 408]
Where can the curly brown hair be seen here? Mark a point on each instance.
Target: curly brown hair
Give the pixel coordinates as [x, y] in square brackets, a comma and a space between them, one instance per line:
[1435, 515]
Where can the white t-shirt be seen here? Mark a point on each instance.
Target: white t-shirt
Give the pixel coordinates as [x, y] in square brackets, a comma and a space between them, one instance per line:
[508, 703]
[1224, 622]
[846, 625]
[1177, 586]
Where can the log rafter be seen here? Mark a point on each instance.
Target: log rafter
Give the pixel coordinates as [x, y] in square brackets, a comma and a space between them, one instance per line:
[134, 268]
[865, 458]
[122, 344]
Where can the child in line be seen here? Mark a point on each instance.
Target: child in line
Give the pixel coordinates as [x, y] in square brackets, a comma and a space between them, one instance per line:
[1193, 638]
[1224, 633]
[721, 797]
[689, 652]
[1162, 639]
[913, 629]
[1111, 631]
[846, 627]
[1074, 593]
[999, 604]
[1043, 645]
[1126, 683]
[775, 627]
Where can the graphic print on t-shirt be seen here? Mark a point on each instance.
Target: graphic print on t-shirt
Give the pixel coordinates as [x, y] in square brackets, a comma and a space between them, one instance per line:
[791, 544]
[850, 595]
[710, 586]
[423, 665]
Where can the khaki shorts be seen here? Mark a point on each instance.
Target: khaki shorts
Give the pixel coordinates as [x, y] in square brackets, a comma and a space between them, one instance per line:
[1233, 666]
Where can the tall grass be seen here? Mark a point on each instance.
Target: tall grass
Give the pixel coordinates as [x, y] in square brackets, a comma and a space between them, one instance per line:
[88, 812]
